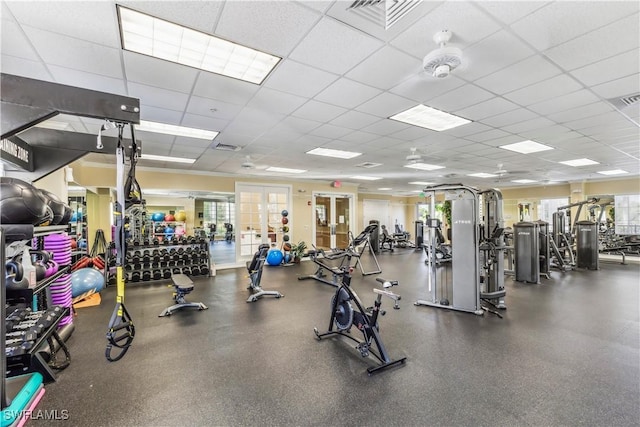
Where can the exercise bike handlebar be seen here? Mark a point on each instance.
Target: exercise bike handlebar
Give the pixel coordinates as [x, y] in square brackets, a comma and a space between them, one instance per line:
[387, 294]
[386, 283]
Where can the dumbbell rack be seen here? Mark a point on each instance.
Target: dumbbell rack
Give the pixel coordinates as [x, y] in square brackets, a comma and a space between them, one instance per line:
[164, 224]
[147, 262]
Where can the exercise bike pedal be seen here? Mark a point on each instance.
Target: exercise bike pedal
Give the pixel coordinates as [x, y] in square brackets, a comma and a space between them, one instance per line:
[363, 349]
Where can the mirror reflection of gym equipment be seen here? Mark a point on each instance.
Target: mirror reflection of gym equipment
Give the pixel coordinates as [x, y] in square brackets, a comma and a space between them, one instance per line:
[476, 271]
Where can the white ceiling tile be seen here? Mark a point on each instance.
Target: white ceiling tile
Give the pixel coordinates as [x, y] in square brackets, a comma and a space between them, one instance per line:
[330, 131]
[422, 88]
[354, 120]
[386, 68]
[157, 97]
[558, 22]
[509, 117]
[524, 73]
[488, 135]
[467, 23]
[204, 122]
[334, 47]
[509, 12]
[564, 102]
[320, 111]
[503, 140]
[597, 45]
[319, 5]
[24, 67]
[75, 53]
[359, 137]
[298, 79]
[493, 53]
[156, 72]
[297, 124]
[460, 98]
[248, 133]
[468, 129]
[491, 107]
[593, 121]
[273, 100]
[225, 89]
[73, 19]
[528, 125]
[252, 116]
[160, 115]
[545, 90]
[621, 87]
[613, 68]
[413, 133]
[198, 15]
[347, 93]
[14, 42]
[271, 26]
[204, 106]
[386, 105]
[87, 80]
[550, 134]
[385, 127]
[581, 112]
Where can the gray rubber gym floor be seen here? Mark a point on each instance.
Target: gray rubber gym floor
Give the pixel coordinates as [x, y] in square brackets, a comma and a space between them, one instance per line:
[565, 353]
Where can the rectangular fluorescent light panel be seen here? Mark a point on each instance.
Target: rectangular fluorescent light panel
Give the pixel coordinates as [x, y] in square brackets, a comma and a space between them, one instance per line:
[145, 34]
[483, 175]
[366, 178]
[385, 189]
[524, 181]
[156, 127]
[526, 147]
[429, 118]
[284, 170]
[421, 183]
[580, 162]
[339, 154]
[167, 159]
[423, 166]
[613, 172]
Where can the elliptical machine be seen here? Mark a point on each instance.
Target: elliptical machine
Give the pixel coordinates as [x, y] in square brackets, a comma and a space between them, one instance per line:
[344, 316]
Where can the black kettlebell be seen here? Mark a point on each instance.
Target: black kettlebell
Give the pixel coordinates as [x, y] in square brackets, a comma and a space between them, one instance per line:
[14, 278]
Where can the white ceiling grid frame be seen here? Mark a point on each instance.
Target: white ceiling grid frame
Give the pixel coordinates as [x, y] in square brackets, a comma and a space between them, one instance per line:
[203, 106]
[385, 68]
[161, 115]
[421, 88]
[354, 120]
[619, 87]
[24, 67]
[545, 90]
[274, 27]
[484, 109]
[460, 98]
[197, 15]
[347, 93]
[582, 112]
[162, 74]
[334, 47]
[92, 81]
[521, 74]
[385, 105]
[232, 91]
[15, 43]
[298, 79]
[161, 98]
[618, 66]
[276, 101]
[204, 122]
[565, 102]
[320, 111]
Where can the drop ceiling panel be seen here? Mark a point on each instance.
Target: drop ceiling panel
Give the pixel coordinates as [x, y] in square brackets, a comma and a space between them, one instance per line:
[233, 91]
[597, 45]
[334, 47]
[157, 97]
[296, 124]
[319, 111]
[204, 106]
[73, 19]
[487, 136]
[74, 53]
[270, 26]
[413, 133]
[354, 120]
[386, 105]
[386, 68]
[564, 102]
[467, 23]
[468, 129]
[621, 87]
[545, 90]
[581, 112]
[460, 98]
[491, 107]
[87, 80]
[161, 115]
[524, 73]
[422, 87]
[559, 22]
[156, 72]
[385, 127]
[330, 131]
[493, 53]
[528, 125]
[204, 122]
[509, 12]
[618, 66]
[15, 43]
[25, 68]
[193, 14]
[276, 101]
[299, 79]
[359, 137]
[258, 116]
[347, 93]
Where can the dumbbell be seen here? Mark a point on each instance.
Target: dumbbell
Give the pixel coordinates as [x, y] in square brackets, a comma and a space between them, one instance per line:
[136, 259]
[146, 242]
[188, 250]
[176, 270]
[146, 275]
[146, 258]
[137, 266]
[156, 256]
[195, 270]
[155, 242]
[186, 270]
[204, 270]
[166, 273]
[135, 276]
[157, 274]
[27, 335]
[180, 251]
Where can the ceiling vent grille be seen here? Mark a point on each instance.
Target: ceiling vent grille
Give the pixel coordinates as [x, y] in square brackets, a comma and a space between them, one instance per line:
[625, 101]
[383, 12]
[227, 147]
[630, 100]
[368, 165]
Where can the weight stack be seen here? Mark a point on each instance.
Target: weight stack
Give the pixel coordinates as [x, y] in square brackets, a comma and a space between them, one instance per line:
[587, 245]
[526, 242]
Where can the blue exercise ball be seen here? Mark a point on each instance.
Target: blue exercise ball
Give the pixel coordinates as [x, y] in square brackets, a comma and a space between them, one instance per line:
[85, 280]
[274, 257]
[168, 231]
[157, 216]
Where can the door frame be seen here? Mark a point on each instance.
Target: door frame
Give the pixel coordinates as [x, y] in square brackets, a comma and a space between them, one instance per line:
[332, 195]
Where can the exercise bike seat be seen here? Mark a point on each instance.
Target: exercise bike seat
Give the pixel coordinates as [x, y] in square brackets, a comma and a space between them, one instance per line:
[386, 283]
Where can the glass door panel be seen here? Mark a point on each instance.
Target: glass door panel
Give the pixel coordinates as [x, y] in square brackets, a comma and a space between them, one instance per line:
[333, 220]
[342, 225]
[323, 222]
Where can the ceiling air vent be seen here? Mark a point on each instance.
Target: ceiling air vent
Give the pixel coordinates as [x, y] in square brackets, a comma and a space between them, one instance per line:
[383, 12]
[227, 147]
[368, 165]
[625, 101]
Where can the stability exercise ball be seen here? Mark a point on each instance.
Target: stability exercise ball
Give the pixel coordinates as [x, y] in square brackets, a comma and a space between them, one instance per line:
[284, 212]
[168, 231]
[169, 218]
[85, 280]
[157, 216]
[181, 216]
[274, 257]
[179, 230]
[21, 203]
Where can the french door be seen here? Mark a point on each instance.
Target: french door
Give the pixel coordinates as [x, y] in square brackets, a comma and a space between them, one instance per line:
[259, 217]
[333, 219]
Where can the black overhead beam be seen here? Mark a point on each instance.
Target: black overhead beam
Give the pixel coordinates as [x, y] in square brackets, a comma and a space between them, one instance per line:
[27, 102]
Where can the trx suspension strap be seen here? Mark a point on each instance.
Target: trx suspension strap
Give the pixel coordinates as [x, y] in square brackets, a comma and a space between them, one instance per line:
[132, 192]
[121, 330]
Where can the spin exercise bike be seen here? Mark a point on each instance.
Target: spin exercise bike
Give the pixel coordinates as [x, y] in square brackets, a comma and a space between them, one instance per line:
[344, 316]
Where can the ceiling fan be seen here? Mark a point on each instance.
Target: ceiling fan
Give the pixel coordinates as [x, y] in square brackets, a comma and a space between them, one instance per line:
[248, 164]
[414, 157]
[440, 62]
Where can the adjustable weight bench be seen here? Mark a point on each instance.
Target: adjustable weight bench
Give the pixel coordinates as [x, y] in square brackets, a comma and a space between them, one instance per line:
[182, 285]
